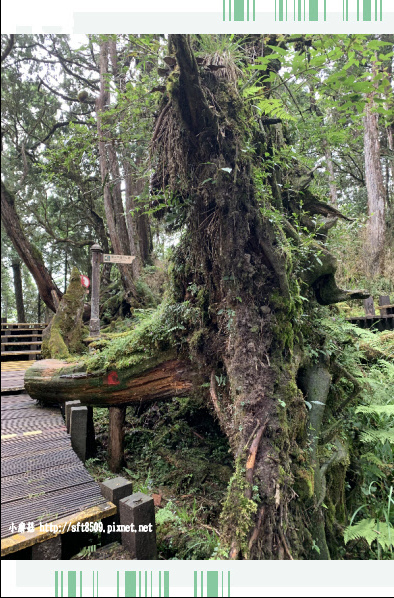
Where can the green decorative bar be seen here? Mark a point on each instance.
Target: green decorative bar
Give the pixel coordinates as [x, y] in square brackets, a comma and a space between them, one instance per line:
[299, 10]
[366, 10]
[130, 583]
[195, 584]
[166, 584]
[239, 10]
[212, 583]
[313, 10]
[80, 583]
[280, 10]
[72, 584]
[56, 583]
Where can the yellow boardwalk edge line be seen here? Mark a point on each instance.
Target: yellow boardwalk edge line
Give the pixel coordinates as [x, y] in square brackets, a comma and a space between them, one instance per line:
[21, 541]
[7, 389]
[10, 366]
[32, 433]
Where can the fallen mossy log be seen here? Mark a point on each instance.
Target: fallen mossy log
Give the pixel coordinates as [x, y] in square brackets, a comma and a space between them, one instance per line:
[56, 381]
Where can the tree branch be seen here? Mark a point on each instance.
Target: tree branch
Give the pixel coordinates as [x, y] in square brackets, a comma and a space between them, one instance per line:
[8, 48]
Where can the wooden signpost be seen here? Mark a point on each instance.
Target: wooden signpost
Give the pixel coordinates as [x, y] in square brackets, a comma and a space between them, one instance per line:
[118, 259]
[117, 413]
[98, 257]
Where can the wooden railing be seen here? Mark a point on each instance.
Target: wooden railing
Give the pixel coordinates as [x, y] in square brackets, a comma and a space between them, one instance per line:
[21, 339]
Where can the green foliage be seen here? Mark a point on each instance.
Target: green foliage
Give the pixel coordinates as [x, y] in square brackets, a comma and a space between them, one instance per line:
[175, 449]
[154, 331]
[238, 511]
[371, 530]
[272, 107]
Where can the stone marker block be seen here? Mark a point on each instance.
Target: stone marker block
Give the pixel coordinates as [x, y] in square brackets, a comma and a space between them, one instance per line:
[114, 490]
[78, 430]
[67, 408]
[138, 511]
[50, 550]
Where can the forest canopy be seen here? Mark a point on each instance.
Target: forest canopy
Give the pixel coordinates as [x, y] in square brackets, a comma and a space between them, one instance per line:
[252, 179]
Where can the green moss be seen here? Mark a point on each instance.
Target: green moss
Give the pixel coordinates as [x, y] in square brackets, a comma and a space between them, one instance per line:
[172, 82]
[56, 347]
[67, 331]
[155, 332]
[238, 512]
[197, 340]
[37, 254]
[304, 482]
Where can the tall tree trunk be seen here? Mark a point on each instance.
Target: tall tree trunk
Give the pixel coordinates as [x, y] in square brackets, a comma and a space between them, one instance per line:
[251, 337]
[331, 175]
[29, 254]
[20, 307]
[110, 176]
[135, 222]
[131, 223]
[376, 227]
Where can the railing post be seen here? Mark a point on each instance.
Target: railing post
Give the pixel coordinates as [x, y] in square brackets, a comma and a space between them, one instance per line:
[94, 326]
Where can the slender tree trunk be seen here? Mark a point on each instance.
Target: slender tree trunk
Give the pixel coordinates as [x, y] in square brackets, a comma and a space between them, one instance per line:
[30, 256]
[376, 227]
[38, 308]
[331, 175]
[66, 262]
[110, 175]
[20, 308]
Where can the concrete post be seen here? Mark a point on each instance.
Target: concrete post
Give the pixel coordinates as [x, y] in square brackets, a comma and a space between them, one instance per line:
[114, 490]
[94, 326]
[78, 430]
[138, 512]
[67, 412]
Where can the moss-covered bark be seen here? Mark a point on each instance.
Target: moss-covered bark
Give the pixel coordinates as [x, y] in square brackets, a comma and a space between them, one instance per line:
[216, 157]
[65, 332]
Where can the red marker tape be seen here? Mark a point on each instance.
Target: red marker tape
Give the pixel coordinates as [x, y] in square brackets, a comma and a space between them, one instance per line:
[113, 378]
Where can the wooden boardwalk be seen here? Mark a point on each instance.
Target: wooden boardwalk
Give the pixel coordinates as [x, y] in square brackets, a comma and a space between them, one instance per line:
[21, 339]
[42, 479]
[384, 321]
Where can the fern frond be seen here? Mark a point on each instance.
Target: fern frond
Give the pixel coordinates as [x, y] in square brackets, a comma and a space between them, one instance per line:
[382, 436]
[363, 529]
[375, 460]
[387, 410]
[371, 530]
[386, 536]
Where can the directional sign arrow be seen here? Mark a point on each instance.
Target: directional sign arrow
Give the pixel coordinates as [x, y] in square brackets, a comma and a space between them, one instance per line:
[118, 259]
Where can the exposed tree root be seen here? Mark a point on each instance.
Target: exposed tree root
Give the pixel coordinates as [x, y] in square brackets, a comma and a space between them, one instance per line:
[250, 463]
